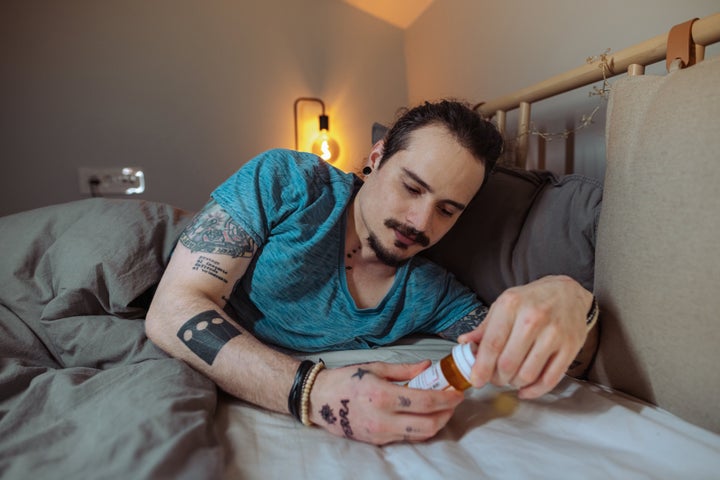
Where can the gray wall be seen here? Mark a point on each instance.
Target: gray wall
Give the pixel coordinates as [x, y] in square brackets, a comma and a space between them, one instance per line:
[191, 89]
[187, 89]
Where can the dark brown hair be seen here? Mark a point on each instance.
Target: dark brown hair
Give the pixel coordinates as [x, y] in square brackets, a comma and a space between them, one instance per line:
[479, 136]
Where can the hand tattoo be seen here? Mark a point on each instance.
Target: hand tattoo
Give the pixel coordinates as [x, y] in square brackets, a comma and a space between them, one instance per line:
[344, 420]
[327, 414]
[360, 373]
[404, 401]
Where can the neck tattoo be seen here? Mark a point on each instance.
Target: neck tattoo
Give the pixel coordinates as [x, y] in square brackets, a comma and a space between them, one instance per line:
[349, 254]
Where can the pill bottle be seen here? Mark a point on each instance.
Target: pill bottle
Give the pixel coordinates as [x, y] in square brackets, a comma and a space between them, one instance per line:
[453, 371]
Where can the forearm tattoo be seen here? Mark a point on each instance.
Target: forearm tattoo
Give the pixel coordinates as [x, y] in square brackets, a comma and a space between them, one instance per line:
[466, 324]
[206, 333]
[214, 231]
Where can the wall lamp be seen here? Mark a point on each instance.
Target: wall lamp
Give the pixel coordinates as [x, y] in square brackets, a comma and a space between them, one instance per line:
[324, 145]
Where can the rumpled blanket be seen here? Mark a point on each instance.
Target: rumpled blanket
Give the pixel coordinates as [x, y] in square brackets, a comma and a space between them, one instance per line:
[83, 393]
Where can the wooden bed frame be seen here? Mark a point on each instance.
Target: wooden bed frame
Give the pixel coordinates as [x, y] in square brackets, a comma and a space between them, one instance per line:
[686, 40]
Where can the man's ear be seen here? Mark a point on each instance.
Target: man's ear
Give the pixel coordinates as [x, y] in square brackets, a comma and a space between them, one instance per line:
[376, 154]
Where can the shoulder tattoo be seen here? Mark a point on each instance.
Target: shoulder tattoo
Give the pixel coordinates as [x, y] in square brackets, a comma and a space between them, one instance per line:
[214, 231]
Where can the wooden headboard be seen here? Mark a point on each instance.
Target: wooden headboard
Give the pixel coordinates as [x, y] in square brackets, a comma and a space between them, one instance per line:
[695, 34]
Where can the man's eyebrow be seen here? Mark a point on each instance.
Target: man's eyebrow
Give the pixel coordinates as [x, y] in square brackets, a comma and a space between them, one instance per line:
[417, 179]
[423, 183]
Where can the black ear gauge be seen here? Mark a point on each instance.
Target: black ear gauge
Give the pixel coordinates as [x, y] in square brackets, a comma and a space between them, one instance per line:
[366, 171]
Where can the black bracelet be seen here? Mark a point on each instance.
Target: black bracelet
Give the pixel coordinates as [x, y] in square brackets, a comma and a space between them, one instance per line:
[593, 314]
[295, 396]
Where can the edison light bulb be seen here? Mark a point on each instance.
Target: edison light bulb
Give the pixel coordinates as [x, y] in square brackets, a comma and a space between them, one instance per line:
[326, 147]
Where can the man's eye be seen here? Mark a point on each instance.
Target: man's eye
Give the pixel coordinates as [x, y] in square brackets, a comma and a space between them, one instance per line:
[412, 190]
[447, 213]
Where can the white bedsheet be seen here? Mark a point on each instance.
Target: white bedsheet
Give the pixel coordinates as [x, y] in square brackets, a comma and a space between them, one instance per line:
[577, 431]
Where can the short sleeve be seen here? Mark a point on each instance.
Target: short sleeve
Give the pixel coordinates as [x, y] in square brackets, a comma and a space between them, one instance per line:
[445, 297]
[269, 188]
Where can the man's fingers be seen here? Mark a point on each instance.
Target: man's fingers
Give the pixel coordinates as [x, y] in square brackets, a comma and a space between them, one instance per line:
[400, 398]
[417, 428]
[411, 400]
[548, 379]
[496, 334]
[522, 348]
[534, 363]
[393, 372]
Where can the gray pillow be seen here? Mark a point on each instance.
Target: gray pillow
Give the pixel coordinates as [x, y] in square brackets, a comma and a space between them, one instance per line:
[524, 225]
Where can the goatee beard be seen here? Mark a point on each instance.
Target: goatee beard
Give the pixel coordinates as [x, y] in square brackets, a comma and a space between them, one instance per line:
[387, 257]
[383, 254]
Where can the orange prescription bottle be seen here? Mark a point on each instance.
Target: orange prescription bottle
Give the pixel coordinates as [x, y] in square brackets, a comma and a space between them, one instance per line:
[453, 371]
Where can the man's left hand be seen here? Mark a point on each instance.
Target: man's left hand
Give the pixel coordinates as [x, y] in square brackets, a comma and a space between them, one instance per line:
[531, 335]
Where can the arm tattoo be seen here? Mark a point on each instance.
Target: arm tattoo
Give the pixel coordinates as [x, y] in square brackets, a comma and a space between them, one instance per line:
[211, 267]
[206, 333]
[465, 324]
[214, 231]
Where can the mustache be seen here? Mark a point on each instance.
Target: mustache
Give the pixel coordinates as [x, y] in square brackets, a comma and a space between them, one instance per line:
[408, 231]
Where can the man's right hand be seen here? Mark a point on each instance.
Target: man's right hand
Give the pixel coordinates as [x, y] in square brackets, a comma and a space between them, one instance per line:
[361, 402]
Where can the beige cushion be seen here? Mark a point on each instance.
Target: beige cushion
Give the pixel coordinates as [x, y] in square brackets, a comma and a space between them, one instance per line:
[657, 273]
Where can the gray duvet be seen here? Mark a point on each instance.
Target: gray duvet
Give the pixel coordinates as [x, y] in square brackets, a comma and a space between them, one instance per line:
[83, 393]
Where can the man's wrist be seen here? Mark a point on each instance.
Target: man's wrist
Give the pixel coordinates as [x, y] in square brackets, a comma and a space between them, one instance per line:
[307, 389]
[296, 391]
[592, 315]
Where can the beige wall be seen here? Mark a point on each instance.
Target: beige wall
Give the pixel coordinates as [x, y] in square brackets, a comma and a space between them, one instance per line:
[187, 89]
[483, 49]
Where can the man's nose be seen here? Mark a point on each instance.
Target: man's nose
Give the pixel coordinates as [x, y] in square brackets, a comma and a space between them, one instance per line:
[420, 217]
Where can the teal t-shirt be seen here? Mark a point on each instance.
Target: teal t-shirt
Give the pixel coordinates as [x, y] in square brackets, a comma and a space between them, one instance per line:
[295, 294]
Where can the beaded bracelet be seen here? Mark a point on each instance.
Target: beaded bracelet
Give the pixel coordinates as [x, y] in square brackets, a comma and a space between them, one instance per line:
[296, 391]
[307, 388]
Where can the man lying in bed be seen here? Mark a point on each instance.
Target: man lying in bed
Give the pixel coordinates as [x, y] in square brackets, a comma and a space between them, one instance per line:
[294, 253]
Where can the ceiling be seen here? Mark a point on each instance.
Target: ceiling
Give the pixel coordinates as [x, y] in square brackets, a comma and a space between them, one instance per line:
[401, 13]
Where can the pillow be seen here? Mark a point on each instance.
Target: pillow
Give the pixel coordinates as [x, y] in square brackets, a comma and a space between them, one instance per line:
[658, 267]
[523, 225]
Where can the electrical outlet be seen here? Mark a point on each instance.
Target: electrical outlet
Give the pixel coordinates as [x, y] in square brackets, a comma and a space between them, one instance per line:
[111, 180]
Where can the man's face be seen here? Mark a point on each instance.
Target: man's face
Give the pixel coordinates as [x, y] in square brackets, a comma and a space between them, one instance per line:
[409, 203]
